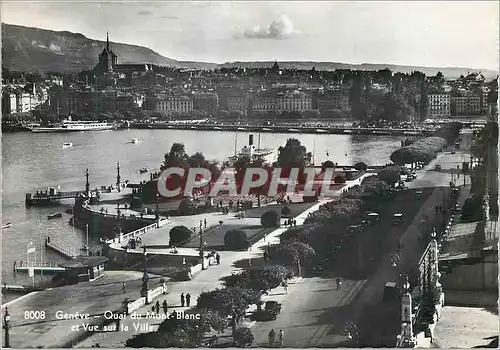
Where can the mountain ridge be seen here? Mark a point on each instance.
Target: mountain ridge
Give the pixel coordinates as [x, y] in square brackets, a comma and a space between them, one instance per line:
[34, 49]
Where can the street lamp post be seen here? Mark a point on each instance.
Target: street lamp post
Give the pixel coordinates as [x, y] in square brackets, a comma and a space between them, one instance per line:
[157, 214]
[145, 277]
[6, 325]
[118, 184]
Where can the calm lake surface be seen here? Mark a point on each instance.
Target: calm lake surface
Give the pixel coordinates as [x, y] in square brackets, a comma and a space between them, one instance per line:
[34, 162]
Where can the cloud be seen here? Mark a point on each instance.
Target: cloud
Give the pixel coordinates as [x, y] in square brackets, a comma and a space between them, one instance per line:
[169, 17]
[144, 13]
[278, 29]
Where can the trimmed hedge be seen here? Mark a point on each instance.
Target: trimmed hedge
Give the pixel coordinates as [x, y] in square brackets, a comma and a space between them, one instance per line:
[426, 149]
[236, 240]
[179, 234]
[270, 219]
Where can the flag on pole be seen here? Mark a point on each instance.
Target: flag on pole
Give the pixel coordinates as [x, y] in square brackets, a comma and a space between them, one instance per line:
[31, 250]
[31, 271]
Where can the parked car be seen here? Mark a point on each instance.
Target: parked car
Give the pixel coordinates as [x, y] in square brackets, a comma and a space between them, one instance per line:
[269, 313]
[418, 194]
[372, 217]
[397, 219]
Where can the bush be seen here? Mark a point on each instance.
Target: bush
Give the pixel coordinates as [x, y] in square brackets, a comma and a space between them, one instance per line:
[285, 212]
[243, 337]
[179, 234]
[339, 179]
[236, 240]
[360, 166]
[186, 207]
[270, 219]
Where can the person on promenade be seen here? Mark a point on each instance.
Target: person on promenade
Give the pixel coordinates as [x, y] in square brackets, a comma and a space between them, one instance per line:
[271, 336]
[188, 299]
[183, 300]
[201, 225]
[205, 222]
[339, 283]
[165, 307]
[153, 309]
[281, 337]
[157, 306]
[124, 288]
[285, 286]
[217, 257]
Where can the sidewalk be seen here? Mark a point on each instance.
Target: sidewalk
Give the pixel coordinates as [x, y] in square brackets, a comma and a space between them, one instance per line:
[205, 281]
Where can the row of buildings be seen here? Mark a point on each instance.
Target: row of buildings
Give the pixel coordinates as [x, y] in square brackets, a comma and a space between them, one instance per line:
[446, 105]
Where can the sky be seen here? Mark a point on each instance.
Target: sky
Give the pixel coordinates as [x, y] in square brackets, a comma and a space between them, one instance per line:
[426, 33]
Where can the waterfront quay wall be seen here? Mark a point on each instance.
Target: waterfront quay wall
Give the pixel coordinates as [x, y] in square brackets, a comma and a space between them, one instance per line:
[334, 130]
[103, 224]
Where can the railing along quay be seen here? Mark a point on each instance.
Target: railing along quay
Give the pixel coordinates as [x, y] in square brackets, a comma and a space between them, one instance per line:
[64, 251]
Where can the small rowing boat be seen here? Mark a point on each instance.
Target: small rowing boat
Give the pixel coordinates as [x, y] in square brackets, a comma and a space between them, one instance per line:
[54, 216]
[7, 225]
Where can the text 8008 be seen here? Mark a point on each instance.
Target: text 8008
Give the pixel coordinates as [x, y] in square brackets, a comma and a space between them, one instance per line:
[34, 315]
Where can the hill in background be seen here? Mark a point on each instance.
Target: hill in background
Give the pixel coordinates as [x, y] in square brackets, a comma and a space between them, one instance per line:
[33, 49]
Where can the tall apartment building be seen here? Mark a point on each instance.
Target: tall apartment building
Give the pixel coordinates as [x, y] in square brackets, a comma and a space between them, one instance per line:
[466, 106]
[206, 102]
[438, 105]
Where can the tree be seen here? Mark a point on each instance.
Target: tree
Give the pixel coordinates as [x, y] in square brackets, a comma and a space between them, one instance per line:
[232, 301]
[176, 156]
[327, 165]
[390, 175]
[236, 239]
[259, 278]
[292, 253]
[360, 166]
[179, 234]
[270, 219]
[293, 155]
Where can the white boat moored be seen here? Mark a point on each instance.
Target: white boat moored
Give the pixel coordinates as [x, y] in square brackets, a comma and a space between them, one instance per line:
[67, 145]
[136, 140]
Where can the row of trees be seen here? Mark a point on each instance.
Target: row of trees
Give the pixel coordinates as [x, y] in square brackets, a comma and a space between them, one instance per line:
[426, 149]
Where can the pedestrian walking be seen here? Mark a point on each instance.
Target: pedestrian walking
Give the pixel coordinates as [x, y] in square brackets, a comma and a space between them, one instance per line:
[123, 287]
[281, 337]
[183, 300]
[201, 224]
[188, 299]
[217, 257]
[271, 336]
[165, 307]
[205, 222]
[153, 309]
[284, 284]
[339, 283]
[157, 306]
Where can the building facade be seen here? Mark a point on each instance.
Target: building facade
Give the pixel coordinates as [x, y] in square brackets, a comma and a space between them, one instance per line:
[238, 103]
[438, 105]
[466, 106]
[170, 104]
[294, 102]
[264, 102]
[206, 102]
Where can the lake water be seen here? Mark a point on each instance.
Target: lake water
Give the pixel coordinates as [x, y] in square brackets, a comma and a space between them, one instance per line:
[33, 162]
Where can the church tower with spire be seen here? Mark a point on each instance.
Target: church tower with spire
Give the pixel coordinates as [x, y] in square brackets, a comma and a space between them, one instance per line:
[107, 60]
